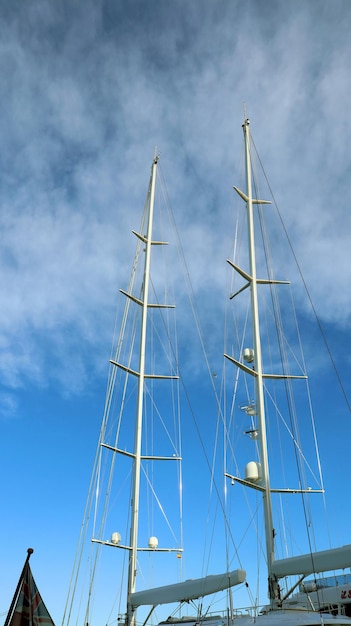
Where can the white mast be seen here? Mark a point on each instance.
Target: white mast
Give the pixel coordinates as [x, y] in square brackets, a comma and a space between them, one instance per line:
[132, 571]
[257, 371]
[189, 589]
[260, 407]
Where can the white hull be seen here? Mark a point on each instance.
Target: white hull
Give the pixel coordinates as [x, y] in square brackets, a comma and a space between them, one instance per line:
[292, 617]
[326, 594]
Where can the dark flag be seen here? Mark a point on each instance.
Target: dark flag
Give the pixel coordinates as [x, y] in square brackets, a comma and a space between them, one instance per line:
[28, 608]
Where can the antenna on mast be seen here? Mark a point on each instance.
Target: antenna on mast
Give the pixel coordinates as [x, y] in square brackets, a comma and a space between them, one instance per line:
[245, 114]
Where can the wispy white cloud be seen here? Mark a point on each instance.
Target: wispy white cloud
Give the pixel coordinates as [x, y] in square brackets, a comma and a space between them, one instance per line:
[88, 92]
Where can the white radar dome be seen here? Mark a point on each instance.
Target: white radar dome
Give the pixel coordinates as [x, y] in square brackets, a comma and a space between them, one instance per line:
[153, 543]
[115, 538]
[249, 355]
[253, 472]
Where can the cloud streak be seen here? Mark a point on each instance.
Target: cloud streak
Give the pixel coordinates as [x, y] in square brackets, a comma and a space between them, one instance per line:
[88, 92]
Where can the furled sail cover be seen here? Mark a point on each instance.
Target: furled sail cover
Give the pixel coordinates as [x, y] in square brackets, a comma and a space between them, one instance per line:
[305, 564]
[187, 590]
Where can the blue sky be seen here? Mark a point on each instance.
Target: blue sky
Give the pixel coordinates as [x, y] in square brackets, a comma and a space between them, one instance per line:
[87, 90]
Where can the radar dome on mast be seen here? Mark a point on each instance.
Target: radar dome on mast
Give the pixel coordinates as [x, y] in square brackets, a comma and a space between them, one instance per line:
[115, 538]
[153, 543]
[253, 472]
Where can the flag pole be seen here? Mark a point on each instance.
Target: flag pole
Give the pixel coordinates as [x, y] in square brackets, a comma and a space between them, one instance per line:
[15, 597]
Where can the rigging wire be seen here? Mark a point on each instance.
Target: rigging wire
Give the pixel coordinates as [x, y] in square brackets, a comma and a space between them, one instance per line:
[292, 411]
[200, 334]
[326, 343]
[287, 382]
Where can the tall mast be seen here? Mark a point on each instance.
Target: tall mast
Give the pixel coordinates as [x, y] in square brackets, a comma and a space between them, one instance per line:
[261, 479]
[259, 397]
[132, 571]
